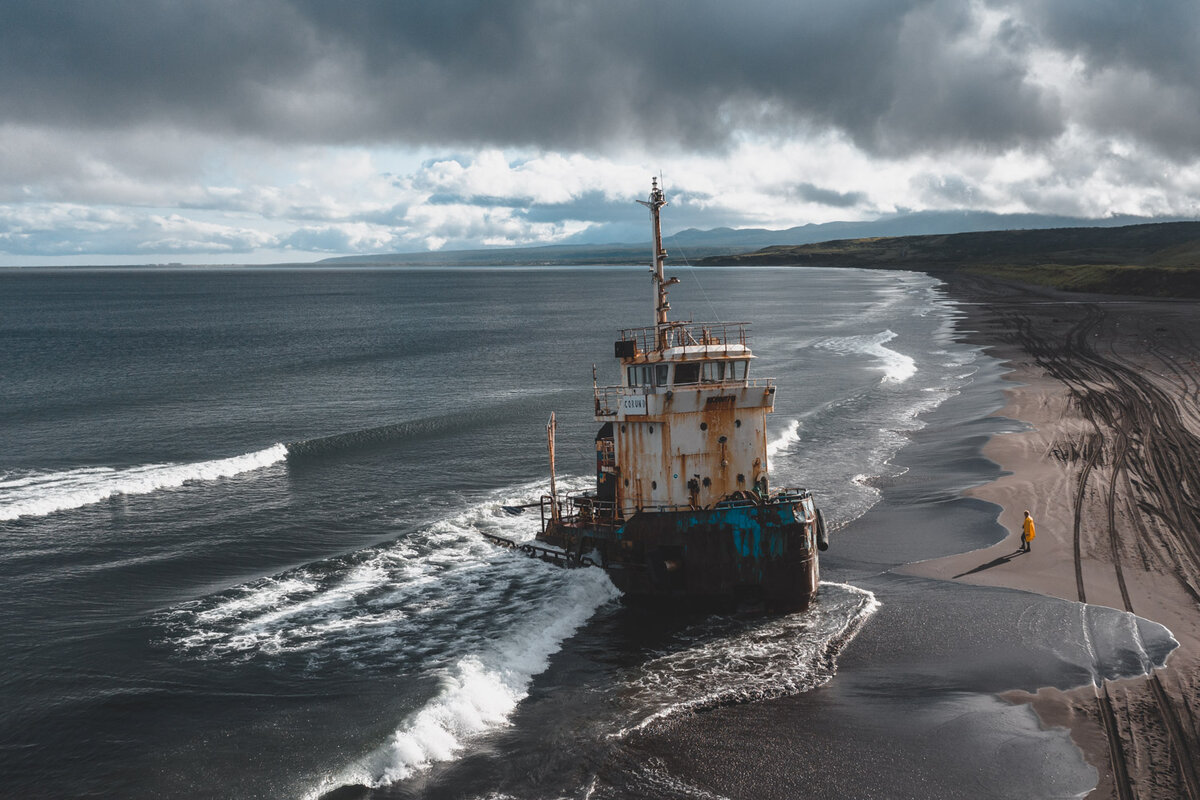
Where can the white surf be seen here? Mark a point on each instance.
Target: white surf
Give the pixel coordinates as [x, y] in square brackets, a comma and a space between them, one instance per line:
[38, 494]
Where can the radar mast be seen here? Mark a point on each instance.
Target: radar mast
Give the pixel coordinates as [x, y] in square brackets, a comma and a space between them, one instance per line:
[661, 306]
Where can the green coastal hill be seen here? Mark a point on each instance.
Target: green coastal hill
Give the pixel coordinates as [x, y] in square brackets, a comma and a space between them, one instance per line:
[1157, 259]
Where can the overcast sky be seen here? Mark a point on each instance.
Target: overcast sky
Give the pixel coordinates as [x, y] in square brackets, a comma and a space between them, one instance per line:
[243, 131]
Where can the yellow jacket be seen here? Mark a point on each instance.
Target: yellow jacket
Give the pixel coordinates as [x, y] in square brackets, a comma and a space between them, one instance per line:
[1029, 534]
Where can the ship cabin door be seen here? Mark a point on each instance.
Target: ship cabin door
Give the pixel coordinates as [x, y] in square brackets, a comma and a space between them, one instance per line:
[606, 463]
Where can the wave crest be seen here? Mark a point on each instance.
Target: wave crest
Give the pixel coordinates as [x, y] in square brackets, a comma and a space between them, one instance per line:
[896, 366]
[789, 436]
[38, 494]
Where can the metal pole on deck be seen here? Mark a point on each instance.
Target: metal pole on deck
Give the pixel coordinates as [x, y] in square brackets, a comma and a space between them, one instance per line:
[550, 426]
[661, 306]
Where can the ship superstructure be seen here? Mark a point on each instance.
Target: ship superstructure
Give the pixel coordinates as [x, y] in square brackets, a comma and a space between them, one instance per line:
[683, 509]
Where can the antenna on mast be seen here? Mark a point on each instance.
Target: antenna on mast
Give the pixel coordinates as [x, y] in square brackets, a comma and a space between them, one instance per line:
[661, 306]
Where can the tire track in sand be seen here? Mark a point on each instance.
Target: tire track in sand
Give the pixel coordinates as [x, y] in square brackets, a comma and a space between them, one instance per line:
[1149, 437]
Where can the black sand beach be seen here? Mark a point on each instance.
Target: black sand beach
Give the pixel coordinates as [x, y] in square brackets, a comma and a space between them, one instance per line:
[1109, 465]
[932, 699]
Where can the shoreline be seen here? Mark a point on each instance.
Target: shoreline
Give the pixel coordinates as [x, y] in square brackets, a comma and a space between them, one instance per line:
[918, 706]
[1109, 390]
[982, 674]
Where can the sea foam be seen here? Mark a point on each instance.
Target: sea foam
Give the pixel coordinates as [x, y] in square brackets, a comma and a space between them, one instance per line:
[896, 366]
[725, 661]
[481, 691]
[789, 436]
[37, 494]
[483, 620]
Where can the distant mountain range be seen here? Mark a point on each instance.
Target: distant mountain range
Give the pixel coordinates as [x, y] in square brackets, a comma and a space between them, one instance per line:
[690, 245]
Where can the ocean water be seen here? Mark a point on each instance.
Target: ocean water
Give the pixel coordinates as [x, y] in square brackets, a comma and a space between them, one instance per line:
[240, 518]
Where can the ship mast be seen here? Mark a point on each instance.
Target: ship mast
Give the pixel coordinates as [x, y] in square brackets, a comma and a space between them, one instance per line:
[661, 306]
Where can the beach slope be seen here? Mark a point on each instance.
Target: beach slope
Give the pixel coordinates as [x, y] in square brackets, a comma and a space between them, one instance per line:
[1109, 466]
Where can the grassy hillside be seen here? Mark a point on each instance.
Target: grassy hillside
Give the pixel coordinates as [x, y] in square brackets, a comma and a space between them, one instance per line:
[1161, 260]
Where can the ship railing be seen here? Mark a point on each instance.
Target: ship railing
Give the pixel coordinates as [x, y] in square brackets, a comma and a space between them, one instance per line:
[778, 497]
[581, 508]
[789, 495]
[663, 509]
[578, 508]
[687, 334]
[608, 398]
[786, 497]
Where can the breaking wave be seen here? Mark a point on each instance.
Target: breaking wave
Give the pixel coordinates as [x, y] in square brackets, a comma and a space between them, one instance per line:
[441, 604]
[481, 690]
[734, 662]
[789, 436]
[896, 366]
[38, 494]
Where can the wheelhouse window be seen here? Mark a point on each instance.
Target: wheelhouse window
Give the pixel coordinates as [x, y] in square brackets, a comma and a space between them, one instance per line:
[649, 374]
[687, 373]
[723, 371]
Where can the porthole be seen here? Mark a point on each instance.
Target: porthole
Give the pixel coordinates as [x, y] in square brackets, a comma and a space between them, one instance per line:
[703, 426]
[627, 481]
[651, 429]
[653, 484]
[622, 428]
[707, 483]
[737, 423]
[722, 440]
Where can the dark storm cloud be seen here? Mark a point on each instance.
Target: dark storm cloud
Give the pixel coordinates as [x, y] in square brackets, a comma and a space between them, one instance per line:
[828, 197]
[1160, 37]
[1142, 60]
[896, 76]
[120, 63]
[543, 73]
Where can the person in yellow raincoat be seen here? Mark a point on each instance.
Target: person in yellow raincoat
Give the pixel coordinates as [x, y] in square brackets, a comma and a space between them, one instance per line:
[1027, 533]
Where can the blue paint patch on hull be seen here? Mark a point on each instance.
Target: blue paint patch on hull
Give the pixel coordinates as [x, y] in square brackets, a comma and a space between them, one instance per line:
[748, 552]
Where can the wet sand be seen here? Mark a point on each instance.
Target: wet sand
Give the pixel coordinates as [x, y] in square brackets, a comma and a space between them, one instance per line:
[982, 675]
[1109, 467]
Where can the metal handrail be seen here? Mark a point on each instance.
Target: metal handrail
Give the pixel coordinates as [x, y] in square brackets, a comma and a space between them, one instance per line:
[682, 334]
[607, 397]
[579, 506]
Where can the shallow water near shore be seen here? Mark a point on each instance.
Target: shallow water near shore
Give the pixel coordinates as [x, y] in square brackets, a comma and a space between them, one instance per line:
[240, 518]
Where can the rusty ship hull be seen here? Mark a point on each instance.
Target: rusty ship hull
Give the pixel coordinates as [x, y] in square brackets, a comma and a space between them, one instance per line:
[744, 554]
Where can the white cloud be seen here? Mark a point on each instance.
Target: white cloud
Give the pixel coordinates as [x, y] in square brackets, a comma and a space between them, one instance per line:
[254, 203]
[76, 231]
[540, 178]
[298, 130]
